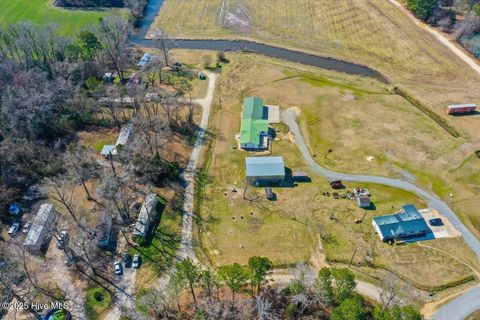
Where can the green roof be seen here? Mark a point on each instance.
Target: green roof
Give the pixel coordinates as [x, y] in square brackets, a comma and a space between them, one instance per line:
[252, 108]
[253, 123]
[251, 130]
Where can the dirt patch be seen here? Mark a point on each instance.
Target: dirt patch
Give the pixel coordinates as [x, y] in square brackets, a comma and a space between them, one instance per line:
[235, 16]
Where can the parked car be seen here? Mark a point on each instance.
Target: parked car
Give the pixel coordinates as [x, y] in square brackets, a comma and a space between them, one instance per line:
[436, 222]
[70, 260]
[63, 241]
[26, 227]
[127, 260]
[136, 261]
[118, 268]
[14, 228]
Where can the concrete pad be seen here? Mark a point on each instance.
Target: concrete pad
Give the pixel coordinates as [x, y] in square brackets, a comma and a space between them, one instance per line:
[273, 114]
[445, 231]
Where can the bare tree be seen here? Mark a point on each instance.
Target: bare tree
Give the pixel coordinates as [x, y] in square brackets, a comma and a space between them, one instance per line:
[164, 44]
[114, 189]
[390, 292]
[83, 167]
[114, 35]
[265, 309]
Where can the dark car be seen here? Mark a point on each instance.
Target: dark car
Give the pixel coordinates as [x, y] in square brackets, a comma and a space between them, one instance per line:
[337, 184]
[436, 222]
[127, 260]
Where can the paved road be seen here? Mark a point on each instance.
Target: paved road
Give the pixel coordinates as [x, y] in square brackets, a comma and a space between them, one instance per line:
[459, 308]
[469, 301]
[186, 246]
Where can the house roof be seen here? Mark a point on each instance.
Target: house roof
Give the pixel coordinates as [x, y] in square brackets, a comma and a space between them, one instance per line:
[145, 215]
[252, 108]
[124, 134]
[254, 121]
[252, 129]
[264, 166]
[42, 221]
[408, 221]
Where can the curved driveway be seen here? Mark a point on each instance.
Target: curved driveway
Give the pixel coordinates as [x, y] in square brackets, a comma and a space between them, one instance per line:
[467, 302]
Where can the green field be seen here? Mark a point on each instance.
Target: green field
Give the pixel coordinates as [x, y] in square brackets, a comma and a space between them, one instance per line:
[69, 21]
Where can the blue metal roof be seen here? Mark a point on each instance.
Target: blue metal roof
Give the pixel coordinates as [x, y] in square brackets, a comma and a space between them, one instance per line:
[264, 166]
[409, 222]
[107, 149]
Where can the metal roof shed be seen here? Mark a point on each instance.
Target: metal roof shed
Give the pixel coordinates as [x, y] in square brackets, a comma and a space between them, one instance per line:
[107, 150]
[264, 170]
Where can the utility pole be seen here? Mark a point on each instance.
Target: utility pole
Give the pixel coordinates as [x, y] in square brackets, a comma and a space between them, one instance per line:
[353, 256]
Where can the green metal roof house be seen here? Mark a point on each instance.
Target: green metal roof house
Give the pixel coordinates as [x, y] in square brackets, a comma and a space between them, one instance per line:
[409, 223]
[254, 128]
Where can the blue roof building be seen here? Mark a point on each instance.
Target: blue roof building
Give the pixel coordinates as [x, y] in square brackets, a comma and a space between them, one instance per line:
[264, 170]
[107, 150]
[408, 223]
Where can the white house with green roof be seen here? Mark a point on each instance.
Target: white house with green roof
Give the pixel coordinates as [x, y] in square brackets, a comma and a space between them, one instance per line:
[254, 128]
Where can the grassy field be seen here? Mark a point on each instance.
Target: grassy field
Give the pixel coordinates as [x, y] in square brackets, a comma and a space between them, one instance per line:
[288, 230]
[370, 32]
[69, 21]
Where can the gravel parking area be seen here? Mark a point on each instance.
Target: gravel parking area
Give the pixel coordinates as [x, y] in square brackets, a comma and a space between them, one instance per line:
[445, 231]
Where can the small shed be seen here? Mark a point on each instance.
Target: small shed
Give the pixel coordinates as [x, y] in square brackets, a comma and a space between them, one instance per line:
[300, 176]
[269, 193]
[202, 76]
[103, 230]
[363, 201]
[40, 234]
[146, 216]
[107, 150]
[264, 170]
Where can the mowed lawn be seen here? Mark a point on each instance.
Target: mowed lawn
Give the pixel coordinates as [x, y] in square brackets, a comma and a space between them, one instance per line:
[69, 21]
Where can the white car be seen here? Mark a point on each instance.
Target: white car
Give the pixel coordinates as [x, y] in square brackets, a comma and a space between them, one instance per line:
[118, 268]
[26, 227]
[14, 228]
[136, 261]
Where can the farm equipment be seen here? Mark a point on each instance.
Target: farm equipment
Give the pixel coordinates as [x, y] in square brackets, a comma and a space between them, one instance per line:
[337, 184]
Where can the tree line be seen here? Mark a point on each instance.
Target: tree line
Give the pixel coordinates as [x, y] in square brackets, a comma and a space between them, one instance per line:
[235, 291]
[461, 18]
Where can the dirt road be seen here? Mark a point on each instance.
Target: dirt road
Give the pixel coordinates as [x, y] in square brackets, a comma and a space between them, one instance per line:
[186, 246]
[455, 48]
